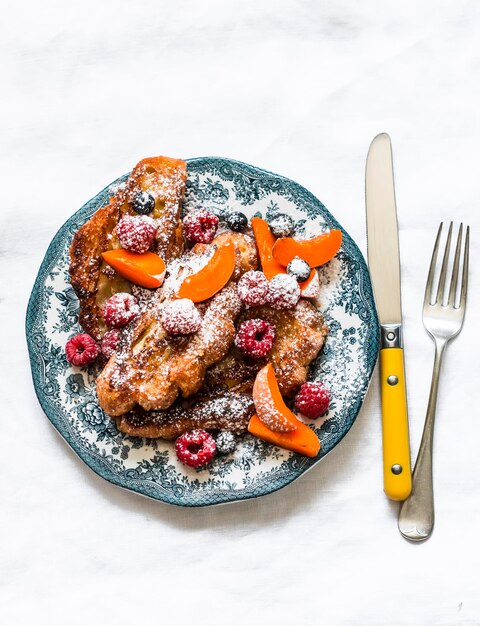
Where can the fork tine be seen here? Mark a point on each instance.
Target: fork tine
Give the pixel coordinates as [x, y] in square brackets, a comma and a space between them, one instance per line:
[455, 272]
[431, 271]
[463, 294]
[443, 271]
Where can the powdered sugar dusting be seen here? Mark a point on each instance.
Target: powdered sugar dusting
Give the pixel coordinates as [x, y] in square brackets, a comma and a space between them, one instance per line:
[116, 188]
[227, 411]
[312, 290]
[181, 317]
[152, 368]
[253, 288]
[136, 233]
[299, 269]
[204, 321]
[283, 292]
[188, 264]
[120, 309]
[268, 412]
[282, 225]
[271, 417]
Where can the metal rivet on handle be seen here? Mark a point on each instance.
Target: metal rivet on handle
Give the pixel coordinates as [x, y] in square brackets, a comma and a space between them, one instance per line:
[397, 469]
[391, 335]
[392, 380]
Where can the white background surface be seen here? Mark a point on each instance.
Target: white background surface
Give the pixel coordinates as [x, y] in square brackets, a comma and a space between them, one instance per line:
[299, 88]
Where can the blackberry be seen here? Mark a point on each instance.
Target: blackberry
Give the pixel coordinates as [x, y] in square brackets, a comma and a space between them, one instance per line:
[225, 441]
[143, 203]
[236, 221]
[282, 225]
[299, 269]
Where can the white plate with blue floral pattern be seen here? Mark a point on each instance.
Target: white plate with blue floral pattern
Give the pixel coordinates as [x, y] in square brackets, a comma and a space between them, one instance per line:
[150, 467]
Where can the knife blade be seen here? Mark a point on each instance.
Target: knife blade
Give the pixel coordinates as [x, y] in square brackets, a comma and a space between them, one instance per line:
[384, 266]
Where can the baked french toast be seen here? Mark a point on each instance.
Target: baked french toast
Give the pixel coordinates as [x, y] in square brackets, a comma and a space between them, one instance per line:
[300, 335]
[152, 367]
[225, 400]
[200, 327]
[228, 410]
[92, 279]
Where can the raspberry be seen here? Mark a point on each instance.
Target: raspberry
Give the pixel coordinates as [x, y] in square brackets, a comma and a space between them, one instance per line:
[200, 226]
[225, 442]
[119, 310]
[136, 233]
[253, 288]
[283, 292]
[312, 400]
[110, 342]
[81, 349]
[282, 225]
[195, 448]
[181, 317]
[255, 338]
[299, 269]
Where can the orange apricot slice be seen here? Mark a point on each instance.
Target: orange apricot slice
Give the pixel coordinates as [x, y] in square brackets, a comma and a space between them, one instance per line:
[302, 440]
[269, 404]
[315, 252]
[265, 241]
[146, 269]
[214, 276]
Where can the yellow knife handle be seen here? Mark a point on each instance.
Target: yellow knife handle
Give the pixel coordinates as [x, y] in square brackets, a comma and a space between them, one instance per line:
[397, 473]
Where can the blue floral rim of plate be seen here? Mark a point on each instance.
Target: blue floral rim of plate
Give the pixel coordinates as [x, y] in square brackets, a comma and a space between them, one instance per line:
[150, 467]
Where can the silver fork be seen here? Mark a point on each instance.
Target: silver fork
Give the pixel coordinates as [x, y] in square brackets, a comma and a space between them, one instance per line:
[443, 321]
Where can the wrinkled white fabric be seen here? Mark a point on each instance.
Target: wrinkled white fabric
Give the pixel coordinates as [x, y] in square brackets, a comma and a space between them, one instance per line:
[300, 88]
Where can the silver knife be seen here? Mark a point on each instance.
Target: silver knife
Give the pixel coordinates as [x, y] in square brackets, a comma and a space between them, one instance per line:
[384, 265]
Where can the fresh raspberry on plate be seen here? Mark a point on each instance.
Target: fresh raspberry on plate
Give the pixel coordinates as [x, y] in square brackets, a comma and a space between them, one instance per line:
[120, 309]
[136, 233]
[312, 400]
[195, 448]
[200, 226]
[283, 292]
[181, 317]
[109, 342]
[253, 288]
[255, 338]
[81, 350]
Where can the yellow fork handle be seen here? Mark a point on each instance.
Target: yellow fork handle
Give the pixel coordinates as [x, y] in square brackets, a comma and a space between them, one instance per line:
[397, 473]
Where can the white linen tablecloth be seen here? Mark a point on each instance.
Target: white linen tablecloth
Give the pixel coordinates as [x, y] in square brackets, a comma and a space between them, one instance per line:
[300, 88]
